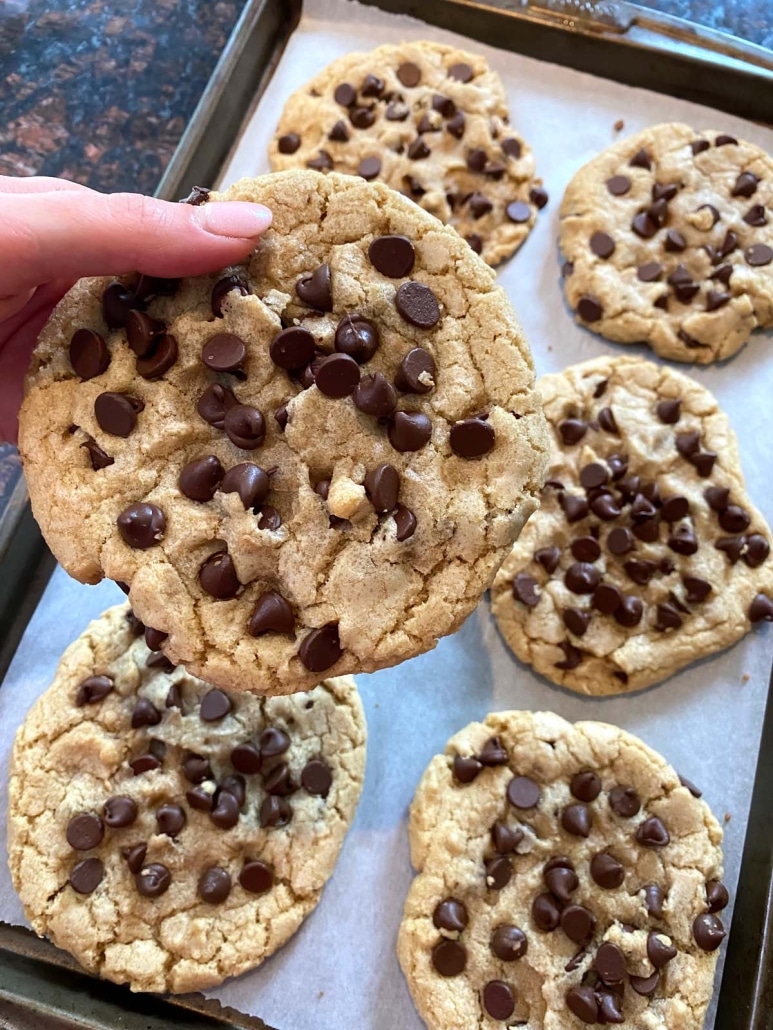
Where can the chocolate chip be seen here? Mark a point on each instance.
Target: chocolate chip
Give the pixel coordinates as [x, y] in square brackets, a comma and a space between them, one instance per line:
[160, 359]
[577, 819]
[85, 831]
[382, 485]
[145, 713]
[248, 480]
[606, 871]
[321, 648]
[548, 558]
[449, 957]
[466, 768]
[476, 242]
[357, 337]
[675, 508]
[418, 149]
[610, 963]
[345, 94]
[417, 372]
[645, 985]
[170, 819]
[409, 74]
[214, 402]
[224, 353]
[461, 71]
[141, 525]
[288, 143]
[525, 589]
[409, 431]
[761, 609]
[87, 875]
[217, 576]
[577, 923]
[375, 396]
[117, 301]
[756, 216]
[392, 255]
[518, 211]
[589, 309]
[659, 951]
[196, 768]
[471, 438]
[758, 254]
[499, 871]
[653, 899]
[405, 522]
[538, 196]
[214, 885]
[696, 793]
[93, 689]
[159, 661]
[576, 621]
[618, 185]
[154, 638]
[269, 519]
[476, 159]
[323, 162]
[620, 541]
[572, 656]
[667, 617]
[523, 792]
[581, 1002]
[508, 942]
[315, 289]
[572, 430]
[99, 459]
[757, 550]
[699, 145]
[545, 912]
[624, 801]
[144, 763]
[717, 896]
[505, 838]
[200, 479]
[607, 599]
[498, 1000]
[444, 105]
[225, 810]
[245, 758]
[733, 547]
[256, 877]
[337, 375]
[582, 578]
[116, 413]
[244, 426]
[456, 125]
[734, 519]
[372, 86]
[120, 811]
[683, 540]
[89, 355]
[316, 778]
[644, 225]
[450, 914]
[697, 590]
[271, 614]
[585, 549]
[652, 833]
[134, 855]
[369, 168]
[417, 304]
[153, 880]
[602, 244]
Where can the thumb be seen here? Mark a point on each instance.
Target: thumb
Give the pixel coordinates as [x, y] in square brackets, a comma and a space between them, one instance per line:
[67, 234]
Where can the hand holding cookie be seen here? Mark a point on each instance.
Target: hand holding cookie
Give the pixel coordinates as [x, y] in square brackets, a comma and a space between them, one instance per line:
[56, 231]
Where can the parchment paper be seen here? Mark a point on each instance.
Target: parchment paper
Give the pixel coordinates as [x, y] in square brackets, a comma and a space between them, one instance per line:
[340, 971]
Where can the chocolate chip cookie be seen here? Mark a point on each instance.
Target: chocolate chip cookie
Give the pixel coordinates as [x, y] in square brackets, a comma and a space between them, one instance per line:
[668, 240]
[646, 553]
[428, 120]
[168, 834]
[567, 876]
[311, 463]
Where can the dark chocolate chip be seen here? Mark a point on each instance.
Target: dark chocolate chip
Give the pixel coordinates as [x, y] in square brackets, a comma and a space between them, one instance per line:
[734, 519]
[545, 912]
[582, 578]
[153, 880]
[369, 168]
[449, 958]
[382, 485]
[589, 309]
[89, 355]
[523, 792]
[461, 71]
[409, 431]
[581, 1002]
[466, 768]
[418, 149]
[572, 430]
[117, 301]
[699, 145]
[323, 162]
[405, 522]
[572, 656]
[214, 403]
[610, 963]
[144, 763]
[505, 838]
[645, 985]
[256, 877]
[93, 689]
[249, 481]
[417, 304]
[225, 810]
[120, 811]
[508, 942]
[87, 875]
[758, 254]
[717, 896]
[337, 375]
[215, 705]
[602, 244]
[214, 885]
[271, 614]
[518, 211]
[649, 272]
[659, 952]
[85, 831]
[315, 289]
[246, 758]
[201, 478]
[756, 216]
[409, 74]
[577, 819]
[134, 855]
[606, 871]
[577, 923]
[145, 713]
[761, 609]
[696, 589]
[525, 589]
[244, 426]
[618, 185]
[450, 914]
[224, 353]
[652, 833]
[417, 372]
[683, 540]
[288, 143]
[498, 1000]
[653, 899]
[624, 801]
[321, 648]
[456, 125]
[675, 508]
[218, 578]
[471, 438]
[116, 413]
[316, 777]
[499, 871]
[141, 525]
[538, 196]
[345, 94]
[171, 819]
[196, 768]
[585, 549]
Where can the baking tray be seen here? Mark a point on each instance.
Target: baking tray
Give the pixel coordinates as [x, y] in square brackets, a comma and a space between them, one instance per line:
[41, 988]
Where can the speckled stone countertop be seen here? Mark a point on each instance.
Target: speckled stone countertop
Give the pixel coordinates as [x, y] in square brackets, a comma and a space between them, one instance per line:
[100, 91]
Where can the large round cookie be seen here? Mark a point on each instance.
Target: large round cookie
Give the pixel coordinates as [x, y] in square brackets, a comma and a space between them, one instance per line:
[646, 553]
[316, 465]
[164, 833]
[566, 876]
[668, 240]
[430, 121]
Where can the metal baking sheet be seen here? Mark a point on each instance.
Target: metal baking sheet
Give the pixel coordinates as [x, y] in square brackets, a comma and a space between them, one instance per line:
[619, 41]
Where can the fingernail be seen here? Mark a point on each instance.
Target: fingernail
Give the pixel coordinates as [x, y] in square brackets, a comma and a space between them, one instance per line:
[234, 218]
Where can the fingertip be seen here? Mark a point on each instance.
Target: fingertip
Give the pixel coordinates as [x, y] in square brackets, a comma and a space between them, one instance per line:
[236, 219]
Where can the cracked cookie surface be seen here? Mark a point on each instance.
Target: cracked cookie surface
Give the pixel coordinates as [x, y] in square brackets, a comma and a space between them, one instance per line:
[567, 876]
[668, 241]
[311, 463]
[430, 121]
[646, 553]
[165, 833]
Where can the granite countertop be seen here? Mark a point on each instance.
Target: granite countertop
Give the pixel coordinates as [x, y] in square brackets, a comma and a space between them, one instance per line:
[102, 96]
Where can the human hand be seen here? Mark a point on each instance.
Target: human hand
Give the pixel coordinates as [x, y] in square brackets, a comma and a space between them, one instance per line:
[53, 232]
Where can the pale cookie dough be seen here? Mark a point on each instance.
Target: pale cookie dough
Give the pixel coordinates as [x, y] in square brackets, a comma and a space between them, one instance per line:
[646, 553]
[566, 876]
[314, 463]
[164, 833]
[668, 240]
[432, 122]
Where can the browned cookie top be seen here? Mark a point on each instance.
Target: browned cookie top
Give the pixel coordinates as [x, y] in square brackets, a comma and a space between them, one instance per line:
[313, 462]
